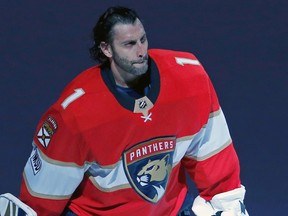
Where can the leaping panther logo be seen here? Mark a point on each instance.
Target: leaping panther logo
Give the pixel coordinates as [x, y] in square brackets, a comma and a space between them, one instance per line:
[148, 166]
[153, 173]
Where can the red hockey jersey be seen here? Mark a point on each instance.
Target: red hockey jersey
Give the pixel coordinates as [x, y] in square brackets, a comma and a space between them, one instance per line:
[102, 153]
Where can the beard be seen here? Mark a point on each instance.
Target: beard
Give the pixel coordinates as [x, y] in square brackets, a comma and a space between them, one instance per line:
[129, 66]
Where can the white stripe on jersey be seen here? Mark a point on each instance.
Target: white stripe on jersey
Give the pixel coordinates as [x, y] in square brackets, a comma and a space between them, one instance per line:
[211, 139]
[110, 178]
[51, 180]
[182, 144]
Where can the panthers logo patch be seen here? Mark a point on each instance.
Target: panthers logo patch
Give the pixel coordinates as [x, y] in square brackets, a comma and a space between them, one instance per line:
[148, 166]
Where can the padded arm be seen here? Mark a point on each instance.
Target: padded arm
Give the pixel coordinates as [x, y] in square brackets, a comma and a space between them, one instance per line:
[230, 203]
[12, 206]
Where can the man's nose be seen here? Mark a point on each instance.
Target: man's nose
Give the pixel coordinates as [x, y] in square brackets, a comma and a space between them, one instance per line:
[141, 49]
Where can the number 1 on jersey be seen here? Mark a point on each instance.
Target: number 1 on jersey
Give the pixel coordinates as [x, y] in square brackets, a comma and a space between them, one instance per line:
[183, 61]
[77, 94]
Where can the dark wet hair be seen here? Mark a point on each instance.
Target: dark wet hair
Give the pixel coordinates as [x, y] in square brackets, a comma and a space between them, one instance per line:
[102, 32]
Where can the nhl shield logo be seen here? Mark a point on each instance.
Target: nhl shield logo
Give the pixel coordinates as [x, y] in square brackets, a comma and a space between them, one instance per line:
[148, 166]
[142, 104]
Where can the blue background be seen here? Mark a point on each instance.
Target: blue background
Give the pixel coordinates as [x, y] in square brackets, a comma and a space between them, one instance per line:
[242, 44]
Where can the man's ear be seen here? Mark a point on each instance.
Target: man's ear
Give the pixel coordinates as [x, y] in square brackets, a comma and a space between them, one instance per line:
[106, 49]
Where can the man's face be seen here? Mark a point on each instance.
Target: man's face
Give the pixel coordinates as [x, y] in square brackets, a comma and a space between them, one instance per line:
[129, 48]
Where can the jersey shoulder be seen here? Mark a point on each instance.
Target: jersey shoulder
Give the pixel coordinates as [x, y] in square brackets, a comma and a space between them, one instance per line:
[60, 124]
[174, 57]
[75, 99]
[178, 64]
[85, 83]
[176, 61]
[86, 79]
[166, 52]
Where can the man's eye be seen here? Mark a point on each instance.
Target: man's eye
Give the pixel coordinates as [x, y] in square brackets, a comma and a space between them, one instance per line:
[143, 39]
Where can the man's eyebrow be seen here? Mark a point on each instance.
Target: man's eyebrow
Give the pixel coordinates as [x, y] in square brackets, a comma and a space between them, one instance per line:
[134, 40]
[129, 41]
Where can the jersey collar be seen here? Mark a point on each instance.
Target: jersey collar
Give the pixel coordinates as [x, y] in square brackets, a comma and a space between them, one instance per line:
[129, 102]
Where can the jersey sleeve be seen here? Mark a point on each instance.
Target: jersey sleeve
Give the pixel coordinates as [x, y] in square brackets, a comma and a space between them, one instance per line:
[55, 167]
[211, 160]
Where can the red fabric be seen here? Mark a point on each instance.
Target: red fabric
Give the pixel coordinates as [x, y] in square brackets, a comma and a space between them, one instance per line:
[217, 174]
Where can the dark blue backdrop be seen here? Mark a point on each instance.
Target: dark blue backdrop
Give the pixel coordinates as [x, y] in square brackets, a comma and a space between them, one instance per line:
[242, 44]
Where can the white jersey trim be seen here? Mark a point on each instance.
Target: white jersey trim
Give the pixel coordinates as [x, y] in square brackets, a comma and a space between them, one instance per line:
[108, 179]
[211, 139]
[45, 179]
